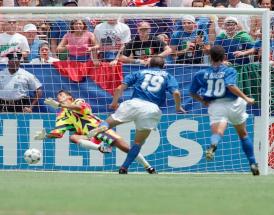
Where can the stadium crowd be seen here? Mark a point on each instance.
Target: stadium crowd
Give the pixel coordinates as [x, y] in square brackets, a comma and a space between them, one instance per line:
[181, 41]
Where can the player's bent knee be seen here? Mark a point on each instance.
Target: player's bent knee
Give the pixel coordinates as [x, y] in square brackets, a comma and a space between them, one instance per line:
[74, 139]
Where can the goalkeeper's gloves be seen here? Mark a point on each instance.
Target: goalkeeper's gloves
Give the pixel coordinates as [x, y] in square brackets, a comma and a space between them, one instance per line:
[51, 102]
[40, 135]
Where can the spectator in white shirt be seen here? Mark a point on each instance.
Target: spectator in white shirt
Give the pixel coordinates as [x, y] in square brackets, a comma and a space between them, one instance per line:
[11, 41]
[111, 37]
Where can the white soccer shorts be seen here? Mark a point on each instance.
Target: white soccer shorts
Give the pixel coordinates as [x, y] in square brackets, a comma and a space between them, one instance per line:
[228, 110]
[146, 115]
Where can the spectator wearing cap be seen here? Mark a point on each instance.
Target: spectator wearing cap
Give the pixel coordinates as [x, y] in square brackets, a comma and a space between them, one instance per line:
[144, 46]
[16, 86]
[11, 41]
[234, 41]
[59, 28]
[244, 21]
[79, 42]
[111, 36]
[30, 31]
[44, 55]
[189, 44]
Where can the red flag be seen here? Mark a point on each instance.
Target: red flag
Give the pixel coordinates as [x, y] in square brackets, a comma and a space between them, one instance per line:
[71, 69]
[105, 76]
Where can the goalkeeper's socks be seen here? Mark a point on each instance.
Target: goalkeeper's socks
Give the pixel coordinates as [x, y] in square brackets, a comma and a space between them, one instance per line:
[88, 144]
[248, 149]
[215, 139]
[132, 154]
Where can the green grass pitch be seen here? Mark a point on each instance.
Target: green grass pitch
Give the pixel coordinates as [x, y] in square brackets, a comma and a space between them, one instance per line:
[55, 193]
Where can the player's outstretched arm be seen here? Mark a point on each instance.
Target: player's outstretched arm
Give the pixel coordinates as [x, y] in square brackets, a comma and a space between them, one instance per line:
[177, 99]
[72, 106]
[117, 94]
[236, 91]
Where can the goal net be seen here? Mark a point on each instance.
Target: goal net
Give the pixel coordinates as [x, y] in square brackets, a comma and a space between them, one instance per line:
[91, 50]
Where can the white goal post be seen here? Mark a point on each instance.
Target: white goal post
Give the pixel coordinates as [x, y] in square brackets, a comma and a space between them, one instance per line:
[7, 120]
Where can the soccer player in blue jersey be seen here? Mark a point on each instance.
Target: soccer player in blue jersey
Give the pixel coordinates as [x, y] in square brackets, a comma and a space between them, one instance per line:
[149, 93]
[216, 88]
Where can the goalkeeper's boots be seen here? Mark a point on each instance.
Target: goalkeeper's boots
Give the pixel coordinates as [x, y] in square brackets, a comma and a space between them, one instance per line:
[151, 170]
[122, 170]
[96, 131]
[105, 149]
[210, 152]
[254, 169]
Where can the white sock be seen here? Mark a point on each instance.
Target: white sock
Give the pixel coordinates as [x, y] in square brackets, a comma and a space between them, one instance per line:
[88, 144]
[140, 159]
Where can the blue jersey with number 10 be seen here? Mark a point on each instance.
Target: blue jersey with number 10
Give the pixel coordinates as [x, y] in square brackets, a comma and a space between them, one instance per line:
[211, 82]
[151, 84]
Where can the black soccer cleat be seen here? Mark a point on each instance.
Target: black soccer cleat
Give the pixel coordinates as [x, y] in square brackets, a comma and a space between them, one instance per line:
[210, 152]
[254, 169]
[104, 149]
[123, 171]
[151, 170]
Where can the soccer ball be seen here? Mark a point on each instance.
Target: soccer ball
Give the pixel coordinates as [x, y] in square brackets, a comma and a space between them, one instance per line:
[32, 156]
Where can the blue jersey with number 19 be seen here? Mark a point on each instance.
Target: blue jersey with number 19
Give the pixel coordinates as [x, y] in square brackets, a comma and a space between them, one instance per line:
[151, 84]
[211, 82]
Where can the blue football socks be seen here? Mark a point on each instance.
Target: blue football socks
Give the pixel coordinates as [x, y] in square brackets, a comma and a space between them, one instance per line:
[248, 149]
[132, 154]
[215, 139]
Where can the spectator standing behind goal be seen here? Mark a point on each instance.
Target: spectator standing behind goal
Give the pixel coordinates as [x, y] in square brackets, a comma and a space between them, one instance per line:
[11, 41]
[111, 36]
[216, 88]
[234, 41]
[76, 116]
[44, 56]
[60, 27]
[149, 93]
[79, 42]
[189, 44]
[30, 32]
[144, 46]
[16, 84]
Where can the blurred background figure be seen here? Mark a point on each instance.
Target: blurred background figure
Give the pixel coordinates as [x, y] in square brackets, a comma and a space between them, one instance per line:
[12, 41]
[30, 32]
[59, 28]
[93, 3]
[44, 55]
[25, 3]
[144, 46]
[111, 36]
[79, 42]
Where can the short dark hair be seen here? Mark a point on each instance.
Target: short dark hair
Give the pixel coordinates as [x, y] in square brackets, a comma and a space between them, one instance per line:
[66, 92]
[157, 61]
[217, 53]
[43, 44]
